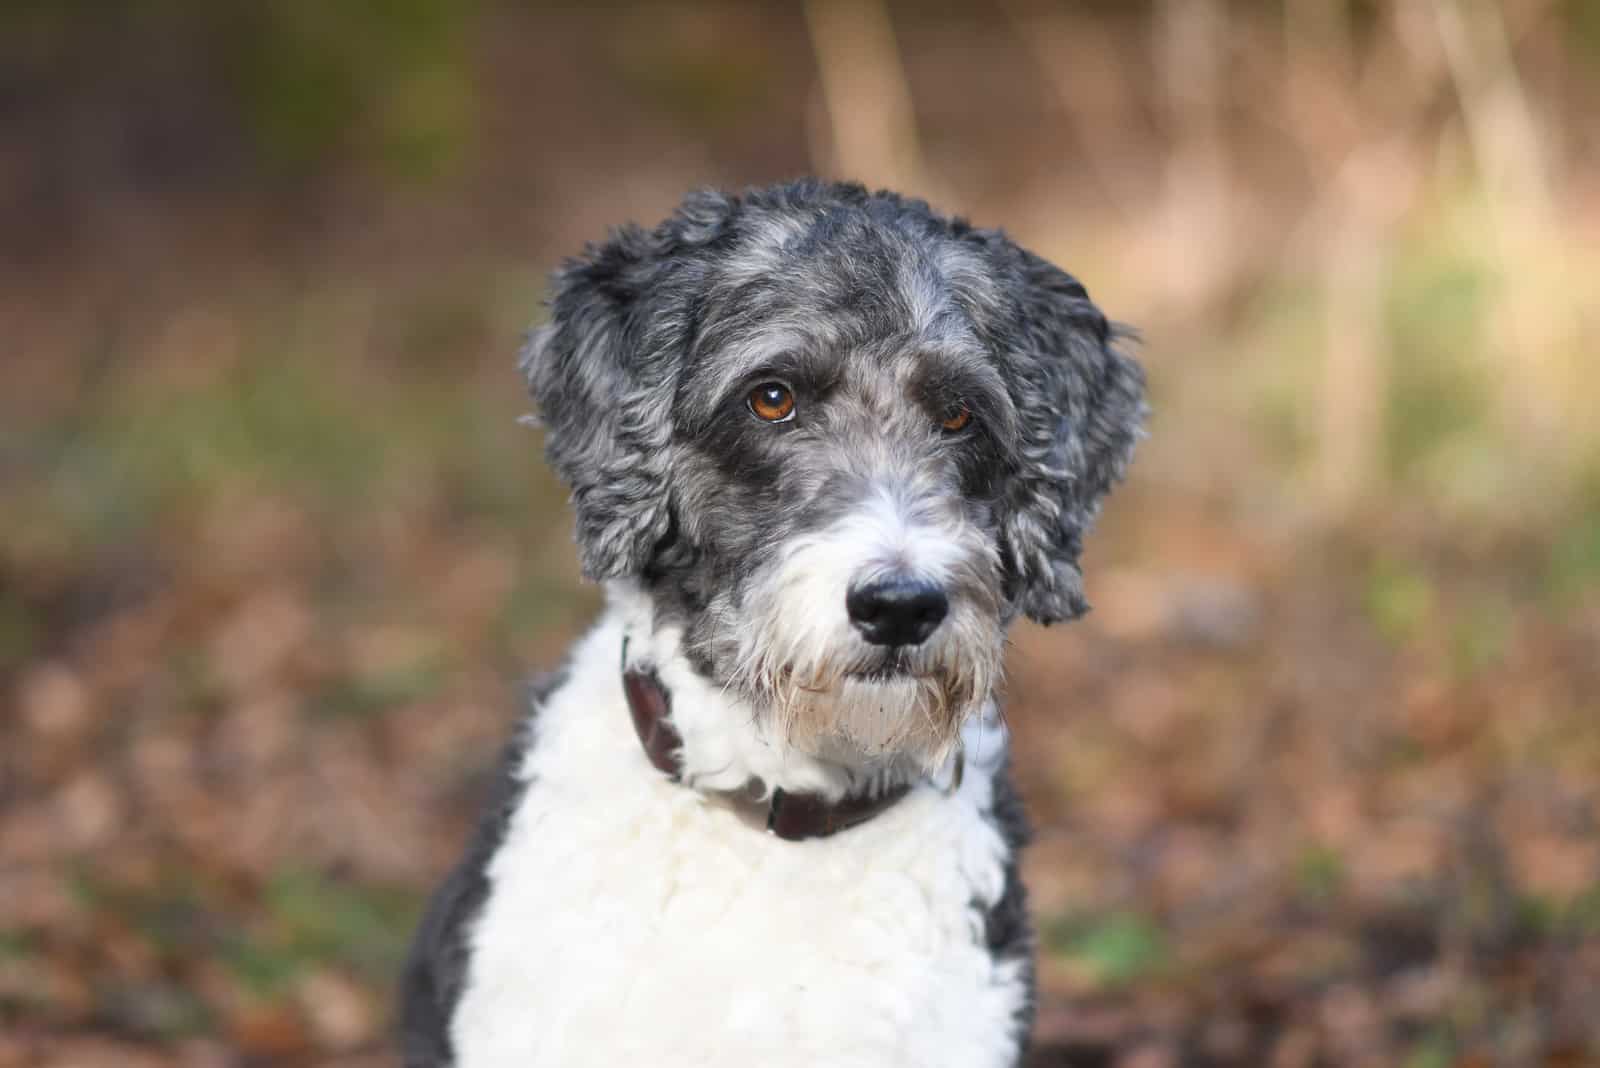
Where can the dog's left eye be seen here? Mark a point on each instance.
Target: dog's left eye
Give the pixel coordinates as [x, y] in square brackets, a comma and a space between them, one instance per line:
[956, 418]
[772, 402]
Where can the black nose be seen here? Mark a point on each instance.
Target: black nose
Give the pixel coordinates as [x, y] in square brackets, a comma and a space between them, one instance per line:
[897, 611]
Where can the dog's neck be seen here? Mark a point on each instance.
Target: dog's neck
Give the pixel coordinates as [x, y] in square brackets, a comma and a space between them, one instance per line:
[728, 742]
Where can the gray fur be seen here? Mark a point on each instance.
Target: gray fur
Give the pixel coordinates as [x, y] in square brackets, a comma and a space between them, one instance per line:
[881, 316]
[877, 311]
[1007, 927]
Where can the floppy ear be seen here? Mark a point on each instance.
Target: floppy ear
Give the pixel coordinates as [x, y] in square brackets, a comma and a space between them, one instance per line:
[1081, 406]
[603, 372]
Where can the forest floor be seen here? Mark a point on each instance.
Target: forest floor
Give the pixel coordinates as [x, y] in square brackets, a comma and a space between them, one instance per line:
[1302, 797]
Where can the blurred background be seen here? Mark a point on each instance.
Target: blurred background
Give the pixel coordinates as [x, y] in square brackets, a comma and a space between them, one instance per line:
[1318, 783]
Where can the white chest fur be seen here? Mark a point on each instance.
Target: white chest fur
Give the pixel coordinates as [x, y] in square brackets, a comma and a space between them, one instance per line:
[634, 921]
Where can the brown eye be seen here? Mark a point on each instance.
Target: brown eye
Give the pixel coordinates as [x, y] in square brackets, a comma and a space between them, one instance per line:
[772, 402]
[956, 418]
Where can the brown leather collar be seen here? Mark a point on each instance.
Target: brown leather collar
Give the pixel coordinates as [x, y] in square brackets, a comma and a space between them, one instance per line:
[792, 817]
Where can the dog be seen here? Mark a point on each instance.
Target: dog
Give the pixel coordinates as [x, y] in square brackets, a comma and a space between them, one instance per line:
[824, 447]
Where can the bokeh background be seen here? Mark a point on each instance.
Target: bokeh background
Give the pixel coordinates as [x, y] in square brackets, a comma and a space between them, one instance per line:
[1318, 783]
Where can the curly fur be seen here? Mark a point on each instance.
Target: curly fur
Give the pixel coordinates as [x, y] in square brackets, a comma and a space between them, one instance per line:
[634, 321]
[728, 545]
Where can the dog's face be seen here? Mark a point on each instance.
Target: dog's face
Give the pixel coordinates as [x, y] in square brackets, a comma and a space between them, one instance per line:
[842, 441]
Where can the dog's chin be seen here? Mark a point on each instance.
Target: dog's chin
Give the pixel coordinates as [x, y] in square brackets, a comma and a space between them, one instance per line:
[877, 713]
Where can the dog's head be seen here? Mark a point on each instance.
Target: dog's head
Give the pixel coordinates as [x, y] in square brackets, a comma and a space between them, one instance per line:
[842, 441]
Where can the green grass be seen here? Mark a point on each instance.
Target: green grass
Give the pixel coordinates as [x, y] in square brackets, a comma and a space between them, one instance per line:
[1438, 391]
[1399, 600]
[131, 460]
[138, 457]
[1116, 949]
[316, 918]
[1573, 567]
[18, 631]
[360, 696]
[1575, 917]
[1319, 873]
[1479, 635]
[300, 920]
[15, 945]
[1435, 1050]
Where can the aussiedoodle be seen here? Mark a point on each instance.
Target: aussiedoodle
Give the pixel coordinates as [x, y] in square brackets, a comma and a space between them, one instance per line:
[825, 446]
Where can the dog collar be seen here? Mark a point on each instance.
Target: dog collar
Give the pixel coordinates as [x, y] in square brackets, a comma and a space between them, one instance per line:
[792, 817]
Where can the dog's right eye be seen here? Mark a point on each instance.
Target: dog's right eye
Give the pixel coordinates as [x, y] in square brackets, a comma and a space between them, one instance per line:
[772, 402]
